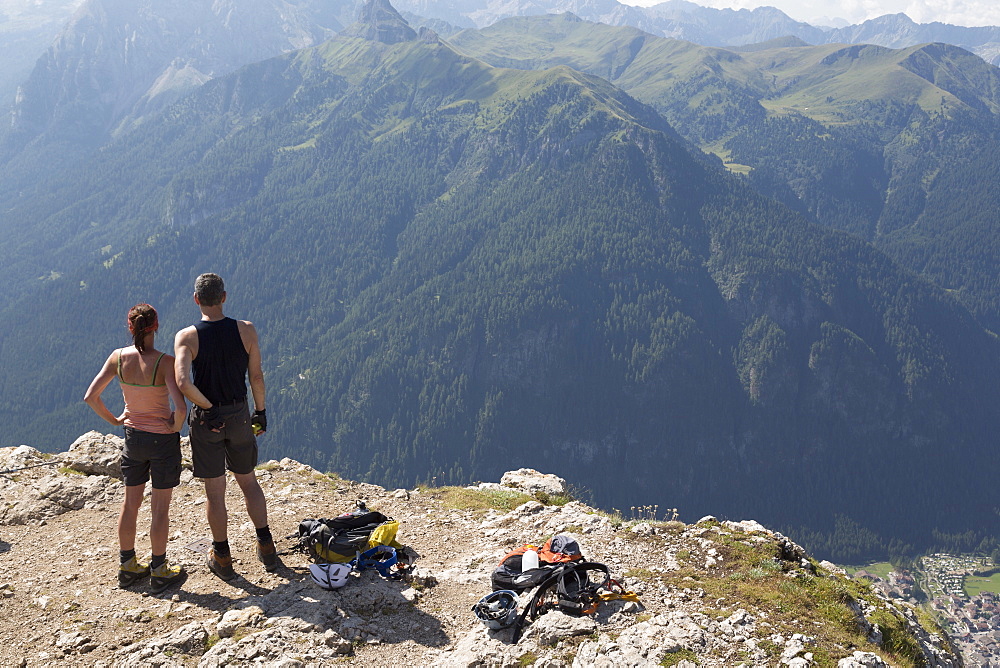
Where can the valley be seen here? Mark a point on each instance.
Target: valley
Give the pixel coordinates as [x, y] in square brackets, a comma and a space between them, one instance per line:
[962, 592]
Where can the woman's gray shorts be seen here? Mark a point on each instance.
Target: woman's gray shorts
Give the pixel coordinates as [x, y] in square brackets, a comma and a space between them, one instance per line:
[148, 455]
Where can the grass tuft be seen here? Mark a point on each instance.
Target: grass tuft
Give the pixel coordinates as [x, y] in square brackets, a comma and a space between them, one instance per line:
[673, 658]
[547, 499]
[480, 500]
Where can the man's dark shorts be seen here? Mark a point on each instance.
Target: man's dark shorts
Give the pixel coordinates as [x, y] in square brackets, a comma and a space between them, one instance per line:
[148, 455]
[233, 448]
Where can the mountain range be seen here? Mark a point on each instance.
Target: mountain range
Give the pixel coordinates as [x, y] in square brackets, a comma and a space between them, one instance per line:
[233, 34]
[896, 146]
[457, 268]
[92, 83]
[680, 19]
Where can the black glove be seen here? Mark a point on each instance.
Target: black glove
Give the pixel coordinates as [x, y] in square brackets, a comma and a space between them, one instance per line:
[209, 417]
[259, 422]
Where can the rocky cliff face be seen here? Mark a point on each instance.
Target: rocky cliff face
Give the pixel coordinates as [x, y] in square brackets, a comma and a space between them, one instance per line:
[899, 30]
[27, 28]
[380, 22]
[120, 59]
[712, 593]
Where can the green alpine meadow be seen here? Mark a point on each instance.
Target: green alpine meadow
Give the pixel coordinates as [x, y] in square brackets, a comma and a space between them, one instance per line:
[473, 256]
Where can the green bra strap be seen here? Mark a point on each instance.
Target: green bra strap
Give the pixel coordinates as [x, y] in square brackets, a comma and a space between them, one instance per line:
[156, 366]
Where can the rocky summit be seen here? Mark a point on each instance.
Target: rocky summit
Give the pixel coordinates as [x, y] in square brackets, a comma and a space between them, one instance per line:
[380, 22]
[714, 593]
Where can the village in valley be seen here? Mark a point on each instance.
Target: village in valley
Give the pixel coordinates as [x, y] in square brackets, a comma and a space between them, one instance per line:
[962, 593]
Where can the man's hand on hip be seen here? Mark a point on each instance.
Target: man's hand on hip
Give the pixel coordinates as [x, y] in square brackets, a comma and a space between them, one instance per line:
[209, 417]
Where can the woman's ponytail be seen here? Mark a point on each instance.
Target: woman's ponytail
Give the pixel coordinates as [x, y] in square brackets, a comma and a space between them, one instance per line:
[142, 320]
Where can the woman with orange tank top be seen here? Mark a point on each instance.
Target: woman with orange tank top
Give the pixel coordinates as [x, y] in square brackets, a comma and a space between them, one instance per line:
[152, 443]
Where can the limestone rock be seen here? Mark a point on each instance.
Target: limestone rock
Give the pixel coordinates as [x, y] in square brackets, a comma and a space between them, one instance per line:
[740, 623]
[794, 646]
[234, 619]
[53, 495]
[748, 526]
[862, 660]
[643, 529]
[577, 515]
[96, 454]
[277, 646]
[832, 567]
[73, 492]
[163, 651]
[532, 481]
[285, 619]
[550, 628]
[480, 647]
[21, 456]
[791, 551]
[639, 645]
[75, 642]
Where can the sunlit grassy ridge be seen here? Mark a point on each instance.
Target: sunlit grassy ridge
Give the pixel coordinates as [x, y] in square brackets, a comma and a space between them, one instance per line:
[755, 573]
[823, 82]
[827, 82]
[439, 79]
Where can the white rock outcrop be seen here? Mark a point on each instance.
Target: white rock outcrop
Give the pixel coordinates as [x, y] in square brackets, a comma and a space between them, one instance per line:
[96, 454]
[532, 481]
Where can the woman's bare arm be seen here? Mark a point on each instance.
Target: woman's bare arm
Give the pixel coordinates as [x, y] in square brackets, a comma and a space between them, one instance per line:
[97, 386]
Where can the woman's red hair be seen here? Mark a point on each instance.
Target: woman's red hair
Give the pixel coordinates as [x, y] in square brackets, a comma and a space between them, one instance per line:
[142, 320]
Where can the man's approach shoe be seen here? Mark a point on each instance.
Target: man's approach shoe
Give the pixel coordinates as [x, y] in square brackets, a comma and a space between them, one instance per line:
[221, 566]
[268, 555]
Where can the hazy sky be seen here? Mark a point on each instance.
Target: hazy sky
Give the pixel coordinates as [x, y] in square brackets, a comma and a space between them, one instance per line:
[958, 12]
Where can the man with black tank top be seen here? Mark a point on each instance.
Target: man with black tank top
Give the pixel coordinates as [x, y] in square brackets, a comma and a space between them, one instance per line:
[221, 353]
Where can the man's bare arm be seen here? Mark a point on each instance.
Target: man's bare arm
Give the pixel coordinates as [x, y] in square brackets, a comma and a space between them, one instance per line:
[185, 350]
[180, 408]
[255, 371]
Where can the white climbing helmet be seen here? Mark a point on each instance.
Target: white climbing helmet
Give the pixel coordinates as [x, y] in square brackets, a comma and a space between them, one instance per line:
[330, 576]
[497, 610]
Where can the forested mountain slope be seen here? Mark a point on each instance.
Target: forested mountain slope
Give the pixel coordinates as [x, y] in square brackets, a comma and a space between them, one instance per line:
[115, 63]
[457, 269]
[898, 146]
